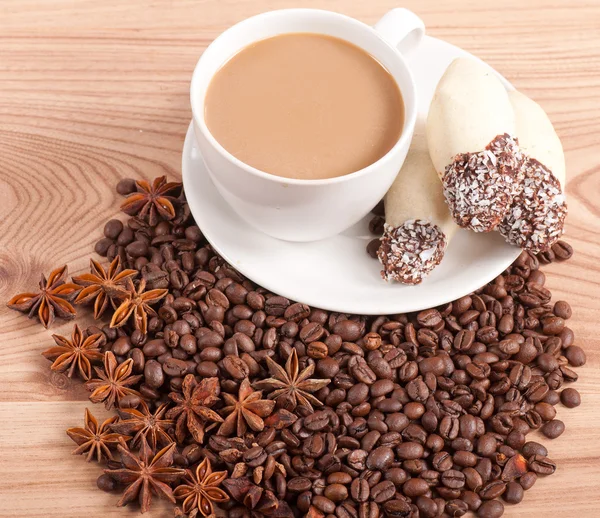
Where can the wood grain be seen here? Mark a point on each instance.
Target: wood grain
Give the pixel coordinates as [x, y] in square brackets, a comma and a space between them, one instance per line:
[94, 91]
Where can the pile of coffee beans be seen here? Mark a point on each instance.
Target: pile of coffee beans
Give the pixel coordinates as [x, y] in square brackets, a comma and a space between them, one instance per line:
[425, 414]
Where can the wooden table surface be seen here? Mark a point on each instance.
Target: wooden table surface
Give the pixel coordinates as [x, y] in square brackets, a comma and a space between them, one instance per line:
[92, 91]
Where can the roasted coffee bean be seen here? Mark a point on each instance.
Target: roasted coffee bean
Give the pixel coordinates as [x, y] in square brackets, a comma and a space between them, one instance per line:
[491, 509]
[316, 350]
[368, 510]
[106, 483]
[553, 429]
[298, 484]
[442, 461]
[361, 371]
[465, 459]
[130, 401]
[311, 332]
[336, 492]
[349, 330]
[570, 398]
[235, 367]
[492, 490]
[427, 507]
[383, 492]
[575, 355]
[357, 459]
[456, 507]
[473, 479]
[360, 490]
[153, 374]
[415, 487]
[429, 318]
[514, 493]
[358, 394]
[541, 465]
[486, 445]
[409, 450]
[449, 427]
[126, 186]
[453, 479]
[562, 250]
[546, 411]
[562, 309]
[373, 247]
[534, 448]
[528, 480]
[471, 499]
[113, 228]
[537, 391]
[397, 509]
[323, 504]
[380, 458]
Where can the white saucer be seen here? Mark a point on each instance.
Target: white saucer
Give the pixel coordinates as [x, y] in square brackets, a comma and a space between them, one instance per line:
[337, 274]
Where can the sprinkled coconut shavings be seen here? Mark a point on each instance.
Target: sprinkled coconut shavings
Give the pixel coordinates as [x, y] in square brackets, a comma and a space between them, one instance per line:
[479, 187]
[536, 217]
[408, 253]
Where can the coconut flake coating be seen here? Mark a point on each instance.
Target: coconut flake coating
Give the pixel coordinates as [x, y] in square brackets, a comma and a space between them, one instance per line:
[408, 253]
[479, 187]
[537, 215]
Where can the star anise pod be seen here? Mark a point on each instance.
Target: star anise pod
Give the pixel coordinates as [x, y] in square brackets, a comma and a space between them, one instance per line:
[95, 440]
[137, 303]
[54, 298]
[192, 407]
[203, 489]
[152, 202]
[77, 353]
[289, 386]
[178, 513]
[103, 286]
[247, 410]
[145, 474]
[143, 423]
[113, 382]
[259, 501]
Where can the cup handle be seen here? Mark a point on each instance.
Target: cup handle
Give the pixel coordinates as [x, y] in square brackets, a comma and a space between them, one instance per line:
[402, 29]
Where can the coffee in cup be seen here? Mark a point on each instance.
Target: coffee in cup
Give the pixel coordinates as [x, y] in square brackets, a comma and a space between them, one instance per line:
[306, 106]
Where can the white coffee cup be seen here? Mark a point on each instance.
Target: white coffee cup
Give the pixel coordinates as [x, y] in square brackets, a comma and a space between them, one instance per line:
[308, 210]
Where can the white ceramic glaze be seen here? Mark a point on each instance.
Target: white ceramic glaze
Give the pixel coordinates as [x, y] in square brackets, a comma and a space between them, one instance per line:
[307, 210]
[336, 273]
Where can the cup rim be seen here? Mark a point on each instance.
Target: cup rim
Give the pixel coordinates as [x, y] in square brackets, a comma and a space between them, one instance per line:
[410, 111]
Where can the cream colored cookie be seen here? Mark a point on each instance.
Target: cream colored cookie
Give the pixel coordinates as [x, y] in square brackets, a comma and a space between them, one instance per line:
[418, 224]
[535, 220]
[536, 134]
[470, 132]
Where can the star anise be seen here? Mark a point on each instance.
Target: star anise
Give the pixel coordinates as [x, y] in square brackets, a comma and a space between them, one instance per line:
[152, 202]
[192, 409]
[143, 423]
[113, 382]
[103, 286]
[145, 474]
[247, 410]
[260, 502]
[137, 303]
[178, 513]
[95, 440]
[203, 489]
[291, 387]
[77, 353]
[54, 298]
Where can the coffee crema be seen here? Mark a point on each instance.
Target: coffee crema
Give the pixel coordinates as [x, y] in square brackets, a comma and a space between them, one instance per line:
[305, 106]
